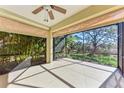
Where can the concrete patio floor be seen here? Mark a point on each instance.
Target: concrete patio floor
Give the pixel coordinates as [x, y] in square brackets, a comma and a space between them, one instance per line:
[63, 73]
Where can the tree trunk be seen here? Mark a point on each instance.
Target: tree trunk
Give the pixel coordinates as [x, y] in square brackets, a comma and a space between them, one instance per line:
[94, 49]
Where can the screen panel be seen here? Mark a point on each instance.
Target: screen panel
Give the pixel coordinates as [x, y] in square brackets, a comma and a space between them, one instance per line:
[19, 51]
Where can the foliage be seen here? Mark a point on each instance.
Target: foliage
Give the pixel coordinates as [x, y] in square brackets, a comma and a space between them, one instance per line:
[100, 59]
[95, 39]
[14, 48]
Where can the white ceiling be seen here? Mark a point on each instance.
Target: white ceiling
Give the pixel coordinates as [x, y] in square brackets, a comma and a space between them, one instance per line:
[26, 11]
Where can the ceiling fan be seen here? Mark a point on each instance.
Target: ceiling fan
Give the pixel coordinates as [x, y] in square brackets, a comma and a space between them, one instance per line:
[49, 9]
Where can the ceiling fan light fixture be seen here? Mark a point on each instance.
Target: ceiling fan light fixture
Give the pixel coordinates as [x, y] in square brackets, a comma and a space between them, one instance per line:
[45, 17]
[45, 20]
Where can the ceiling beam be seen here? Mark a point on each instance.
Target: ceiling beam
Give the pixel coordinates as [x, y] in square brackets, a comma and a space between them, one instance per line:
[106, 19]
[11, 26]
[86, 14]
[16, 17]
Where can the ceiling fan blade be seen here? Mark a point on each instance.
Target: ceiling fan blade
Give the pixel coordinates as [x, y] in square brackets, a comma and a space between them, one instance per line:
[37, 10]
[51, 15]
[59, 9]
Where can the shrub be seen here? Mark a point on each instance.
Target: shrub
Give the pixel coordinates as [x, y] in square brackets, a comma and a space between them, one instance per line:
[100, 59]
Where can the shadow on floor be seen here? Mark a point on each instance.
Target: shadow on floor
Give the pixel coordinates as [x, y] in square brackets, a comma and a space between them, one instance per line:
[116, 80]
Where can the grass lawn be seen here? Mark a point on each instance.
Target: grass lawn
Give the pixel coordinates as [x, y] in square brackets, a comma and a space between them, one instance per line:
[100, 59]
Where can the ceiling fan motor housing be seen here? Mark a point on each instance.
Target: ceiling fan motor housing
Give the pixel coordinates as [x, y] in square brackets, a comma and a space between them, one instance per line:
[47, 7]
